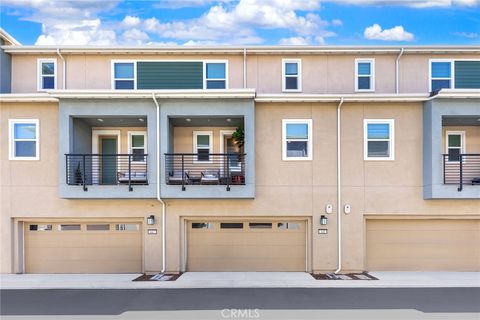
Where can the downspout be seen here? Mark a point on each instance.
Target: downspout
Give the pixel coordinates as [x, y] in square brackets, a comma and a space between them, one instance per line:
[397, 62]
[164, 228]
[339, 192]
[244, 68]
[64, 73]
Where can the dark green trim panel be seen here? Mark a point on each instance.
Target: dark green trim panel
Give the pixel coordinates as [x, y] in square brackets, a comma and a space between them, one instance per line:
[467, 74]
[170, 75]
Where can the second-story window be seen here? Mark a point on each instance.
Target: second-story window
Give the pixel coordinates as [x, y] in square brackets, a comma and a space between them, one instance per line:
[47, 71]
[124, 75]
[203, 145]
[24, 135]
[215, 75]
[291, 75]
[378, 139]
[364, 75]
[441, 75]
[455, 144]
[137, 144]
[297, 139]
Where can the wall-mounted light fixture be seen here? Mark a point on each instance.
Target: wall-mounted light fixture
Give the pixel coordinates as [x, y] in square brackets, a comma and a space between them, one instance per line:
[151, 219]
[323, 220]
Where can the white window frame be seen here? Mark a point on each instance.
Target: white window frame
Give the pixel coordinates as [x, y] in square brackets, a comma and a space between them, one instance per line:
[205, 62]
[372, 74]
[391, 140]
[11, 139]
[40, 74]
[452, 73]
[112, 67]
[462, 142]
[131, 147]
[210, 147]
[299, 75]
[309, 123]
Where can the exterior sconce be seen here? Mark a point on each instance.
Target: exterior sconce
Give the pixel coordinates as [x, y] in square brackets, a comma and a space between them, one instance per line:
[323, 220]
[151, 220]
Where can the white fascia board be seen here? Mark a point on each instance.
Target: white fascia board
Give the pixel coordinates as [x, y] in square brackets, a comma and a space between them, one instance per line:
[187, 94]
[27, 97]
[346, 97]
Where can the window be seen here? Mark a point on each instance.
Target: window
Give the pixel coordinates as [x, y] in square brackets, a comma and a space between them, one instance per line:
[364, 75]
[202, 225]
[297, 139]
[40, 227]
[203, 145]
[69, 227]
[379, 139]
[24, 139]
[441, 74]
[47, 74]
[127, 227]
[98, 227]
[231, 225]
[260, 225]
[455, 144]
[137, 145]
[288, 225]
[124, 74]
[215, 75]
[292, 75]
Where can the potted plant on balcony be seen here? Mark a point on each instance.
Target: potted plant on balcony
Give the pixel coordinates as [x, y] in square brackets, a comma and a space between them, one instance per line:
[238, 137]
[78, 175]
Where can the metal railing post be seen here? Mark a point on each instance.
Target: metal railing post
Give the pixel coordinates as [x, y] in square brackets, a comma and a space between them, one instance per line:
[228, 172]
[183, 172]
[84, 175]
[460, 188]
[444, 168]
[129, 173]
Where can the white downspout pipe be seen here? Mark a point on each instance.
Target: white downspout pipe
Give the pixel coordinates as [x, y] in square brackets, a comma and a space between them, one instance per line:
[164, 228]
[397, 76]
[339, 192]
[244, 68]
[64, 73]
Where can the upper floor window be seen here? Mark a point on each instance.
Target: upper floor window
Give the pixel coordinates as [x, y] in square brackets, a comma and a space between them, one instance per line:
[297, 139]
[378, 139]
[47, 74]
[292, 75]
[137, 145]
[364, 75]
[215, 75]
[441, 74]
[23, 139]
[203, 145]
[123, 75]
[455, 144]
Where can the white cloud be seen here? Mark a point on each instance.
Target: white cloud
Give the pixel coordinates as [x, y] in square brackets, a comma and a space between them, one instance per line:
[337, 22]
[412, 3]
[135, 37]
[76, 33]
[468, 35]
[397, 33]
[294, 41]
[130, 21]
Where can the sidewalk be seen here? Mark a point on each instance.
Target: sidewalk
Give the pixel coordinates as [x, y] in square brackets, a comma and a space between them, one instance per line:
[239, 280]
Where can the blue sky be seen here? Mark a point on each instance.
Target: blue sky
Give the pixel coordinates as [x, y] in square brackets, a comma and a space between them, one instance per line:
[242, 22]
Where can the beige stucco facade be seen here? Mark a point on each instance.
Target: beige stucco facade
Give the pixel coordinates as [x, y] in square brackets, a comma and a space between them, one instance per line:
[285, 190]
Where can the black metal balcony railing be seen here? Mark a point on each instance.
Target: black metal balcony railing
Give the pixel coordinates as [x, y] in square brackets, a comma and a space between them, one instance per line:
[106, 169]
[461, 169]
[205, 169]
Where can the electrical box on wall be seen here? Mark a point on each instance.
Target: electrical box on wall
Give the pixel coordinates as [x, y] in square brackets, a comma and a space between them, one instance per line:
[328, 208]
[347, 209]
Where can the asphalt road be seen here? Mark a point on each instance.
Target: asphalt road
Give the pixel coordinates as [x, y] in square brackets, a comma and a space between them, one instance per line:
[114, 302]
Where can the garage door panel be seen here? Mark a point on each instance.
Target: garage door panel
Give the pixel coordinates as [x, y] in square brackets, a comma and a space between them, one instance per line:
[417, 245]
[247, 249]
[82, 251]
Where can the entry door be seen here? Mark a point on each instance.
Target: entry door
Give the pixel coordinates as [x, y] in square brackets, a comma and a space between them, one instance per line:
[109, 161]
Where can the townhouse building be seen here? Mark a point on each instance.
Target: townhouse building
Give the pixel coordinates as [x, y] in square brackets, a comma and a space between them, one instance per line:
[261, 158]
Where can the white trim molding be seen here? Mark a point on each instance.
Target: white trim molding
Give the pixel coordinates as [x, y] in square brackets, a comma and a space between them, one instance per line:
[371, 61]
[205, 62]
[11, 138]
[309, 140]
[299, 75]
[112, 70]
[40, 74]
[391, 139]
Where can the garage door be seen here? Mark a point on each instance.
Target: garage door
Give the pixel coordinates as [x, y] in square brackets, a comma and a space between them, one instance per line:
[429, 245]
[83, 247]
[246, 246]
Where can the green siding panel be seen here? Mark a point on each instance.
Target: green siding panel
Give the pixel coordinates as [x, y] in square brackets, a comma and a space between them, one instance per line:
[170, 75]
[467, 74]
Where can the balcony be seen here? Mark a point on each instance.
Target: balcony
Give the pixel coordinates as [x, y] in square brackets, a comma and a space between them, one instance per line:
[187, 169]
[461, 170]
[127, 170]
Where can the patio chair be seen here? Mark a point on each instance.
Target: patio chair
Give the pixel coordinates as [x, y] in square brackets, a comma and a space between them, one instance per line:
[210, 177]
[134, 177]
[176, 177]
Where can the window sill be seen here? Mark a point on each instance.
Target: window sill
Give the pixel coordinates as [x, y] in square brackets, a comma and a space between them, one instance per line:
[379, 159]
